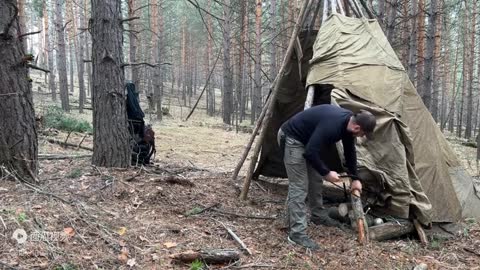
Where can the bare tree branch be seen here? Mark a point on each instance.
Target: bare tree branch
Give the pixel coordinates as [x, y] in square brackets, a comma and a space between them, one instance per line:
[37, 68]
[199, 7]
[145, 63]
[130, 19]
[29, 33]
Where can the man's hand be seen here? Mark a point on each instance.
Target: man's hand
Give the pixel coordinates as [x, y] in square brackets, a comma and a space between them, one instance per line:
[332, 176]
[356, 185]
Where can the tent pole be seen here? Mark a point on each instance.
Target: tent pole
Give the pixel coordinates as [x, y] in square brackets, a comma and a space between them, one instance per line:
[356, 8]
[270, 104]
[340, 6]
[325, 10]
[367, 9]
[250, 142]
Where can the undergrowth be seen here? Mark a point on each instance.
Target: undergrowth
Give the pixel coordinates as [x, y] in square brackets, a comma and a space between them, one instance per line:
[56, 118]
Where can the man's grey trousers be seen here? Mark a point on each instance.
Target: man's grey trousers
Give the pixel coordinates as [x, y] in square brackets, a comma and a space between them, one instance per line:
[303, 181]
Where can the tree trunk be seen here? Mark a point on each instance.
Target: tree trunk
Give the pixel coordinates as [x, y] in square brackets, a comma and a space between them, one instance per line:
[446, 75]
[227, 68]
[242, 63]
[133, 43]
[428, 67]
[49, 48]
[471, 62]
[110, 134]
[210, 87]
[381, 14]
[436, 79]
[88, 49]
[412, 59]
[159, 73]
[21, 21]
[80, 65]
[61, 56]
[257, 92]
[391, 20]
[465, 72]
[18, 136]
[273, 39]
[420, 46]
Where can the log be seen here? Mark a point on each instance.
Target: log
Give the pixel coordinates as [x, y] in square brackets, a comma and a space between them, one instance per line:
[359, 217]
[55, 157]
[421, 232]
[340, 213]
[212, 256]
[65, 144]
[390, 230]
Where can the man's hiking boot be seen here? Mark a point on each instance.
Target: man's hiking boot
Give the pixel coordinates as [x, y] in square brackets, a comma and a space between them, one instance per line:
[303, 241]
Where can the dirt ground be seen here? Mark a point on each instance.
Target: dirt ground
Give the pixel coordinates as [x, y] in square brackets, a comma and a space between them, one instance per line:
[84, 217]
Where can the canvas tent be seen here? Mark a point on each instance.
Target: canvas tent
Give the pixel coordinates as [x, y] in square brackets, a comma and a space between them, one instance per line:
[409, 166]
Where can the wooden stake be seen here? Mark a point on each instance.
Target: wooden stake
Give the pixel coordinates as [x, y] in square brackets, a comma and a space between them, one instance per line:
[271, 103]
[421, 232]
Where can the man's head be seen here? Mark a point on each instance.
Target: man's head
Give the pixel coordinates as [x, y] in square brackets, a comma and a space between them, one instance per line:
[362, 124]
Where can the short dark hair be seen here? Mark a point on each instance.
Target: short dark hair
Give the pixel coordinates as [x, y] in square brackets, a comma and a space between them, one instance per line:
[366, 120]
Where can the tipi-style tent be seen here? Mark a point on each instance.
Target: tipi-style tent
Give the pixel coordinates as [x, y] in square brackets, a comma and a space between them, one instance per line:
[408, 168]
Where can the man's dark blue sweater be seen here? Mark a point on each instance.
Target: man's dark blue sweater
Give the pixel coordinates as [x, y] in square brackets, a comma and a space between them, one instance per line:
[319, 127]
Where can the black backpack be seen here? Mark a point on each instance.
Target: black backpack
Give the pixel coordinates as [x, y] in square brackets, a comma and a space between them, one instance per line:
[142, 136]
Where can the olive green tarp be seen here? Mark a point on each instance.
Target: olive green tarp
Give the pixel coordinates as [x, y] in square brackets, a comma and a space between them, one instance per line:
[408, 164]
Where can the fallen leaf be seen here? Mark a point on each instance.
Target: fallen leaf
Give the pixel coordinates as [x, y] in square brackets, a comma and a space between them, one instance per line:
[170, 244]
[87, 257]
[143, 238]
[131, 262]
[122, 231]
[69, 231]
[123, 256]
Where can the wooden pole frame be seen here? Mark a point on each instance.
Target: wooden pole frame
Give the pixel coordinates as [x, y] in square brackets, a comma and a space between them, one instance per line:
[271, 102]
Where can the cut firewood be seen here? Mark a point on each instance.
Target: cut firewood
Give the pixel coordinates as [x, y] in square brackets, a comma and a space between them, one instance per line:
[390, 230]
[340, 213]
[212, 256]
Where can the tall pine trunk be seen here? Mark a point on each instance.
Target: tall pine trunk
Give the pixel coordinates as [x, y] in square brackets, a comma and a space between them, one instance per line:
[110, 135]
[420, 46]
[227, 68]
[428, 61]
[61, 56]
[465, 73]
[80, 65]
[436, 79]
[257, 92]
[412, 56]
[49, 48]
[471, 62]
[132, 39]
[18, 136]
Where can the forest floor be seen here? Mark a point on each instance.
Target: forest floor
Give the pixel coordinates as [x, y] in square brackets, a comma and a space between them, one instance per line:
[84, 217]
